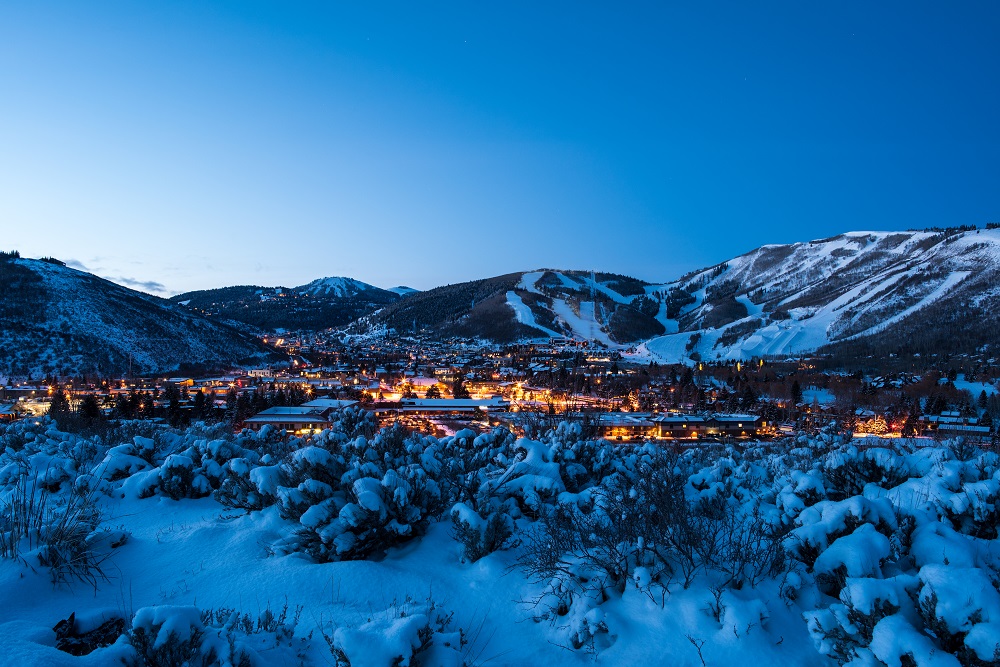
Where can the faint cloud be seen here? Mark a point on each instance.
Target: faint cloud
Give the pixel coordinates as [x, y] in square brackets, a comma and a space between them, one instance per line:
[76, 264]
[144, 285]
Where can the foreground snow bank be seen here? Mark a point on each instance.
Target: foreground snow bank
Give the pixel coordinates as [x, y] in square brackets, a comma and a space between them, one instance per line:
[808, 551]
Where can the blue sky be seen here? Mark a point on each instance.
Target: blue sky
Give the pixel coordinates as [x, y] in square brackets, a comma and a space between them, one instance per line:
[187, 145]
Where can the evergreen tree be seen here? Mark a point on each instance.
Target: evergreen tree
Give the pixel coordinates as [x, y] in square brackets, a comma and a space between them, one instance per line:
[199, 403]
[280, 398]
[459, 390]
[90, 410]
[242, 410]
[60, 404]
[796, 392]
[174, 411]
[986, 419]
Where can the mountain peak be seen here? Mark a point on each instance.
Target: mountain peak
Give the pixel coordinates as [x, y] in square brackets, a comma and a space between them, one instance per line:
[335, 286]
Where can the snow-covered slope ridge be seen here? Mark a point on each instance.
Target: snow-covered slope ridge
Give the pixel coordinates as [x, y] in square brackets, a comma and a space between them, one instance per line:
[54, 319]
[611, 309]
[335, 286]
[788, 299]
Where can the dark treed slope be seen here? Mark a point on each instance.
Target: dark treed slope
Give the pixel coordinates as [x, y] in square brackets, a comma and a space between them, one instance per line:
[324, 303]
[54, 319]
[577, 304]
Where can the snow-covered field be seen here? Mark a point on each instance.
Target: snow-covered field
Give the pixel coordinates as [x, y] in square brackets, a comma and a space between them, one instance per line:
[562, 551]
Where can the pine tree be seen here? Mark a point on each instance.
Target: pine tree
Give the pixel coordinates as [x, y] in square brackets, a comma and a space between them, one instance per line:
[60, 404]
[90, 410]
[199, 403]
[459, 390]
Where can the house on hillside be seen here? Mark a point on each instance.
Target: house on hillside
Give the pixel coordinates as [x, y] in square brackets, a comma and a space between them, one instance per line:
[625, 426]
[951, 424]
[297, 419]
[712, 426]
[333, 403]
[8, 413]
[675, 426]
[452, 406]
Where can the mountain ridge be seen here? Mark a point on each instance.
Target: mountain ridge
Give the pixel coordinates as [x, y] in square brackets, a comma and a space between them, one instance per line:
[865, 292]
[827, 294]
[61, 321]
[858, 293]
[320, 304]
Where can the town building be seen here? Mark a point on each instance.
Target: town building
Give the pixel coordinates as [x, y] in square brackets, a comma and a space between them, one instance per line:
[296, 420]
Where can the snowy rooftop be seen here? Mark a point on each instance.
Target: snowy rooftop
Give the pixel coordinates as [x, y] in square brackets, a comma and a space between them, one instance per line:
[334, 403]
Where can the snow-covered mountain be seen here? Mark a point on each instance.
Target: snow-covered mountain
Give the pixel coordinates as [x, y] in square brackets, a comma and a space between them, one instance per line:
[609, 308]
[336, 286]
[321, 304]
[863, 292]
[54, 319]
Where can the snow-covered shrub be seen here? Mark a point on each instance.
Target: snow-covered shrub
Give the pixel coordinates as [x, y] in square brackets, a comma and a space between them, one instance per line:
[168, 635]
[533, 479]
[804, 489]
[575, 558]
[407, 633]
[354, 422]
[480, 537]
[975, 510]
[361, 497]
[381, 513]
[945, 614]
[652, 524]
[956, 603]
[191, 466]
[847, 474]
[179, 478]
[186, 635]
[310, 476]
[81, 635]
[247, 487]
[744, 541]
[824, 523]
[844, 630]
[58, 531]
[466, 466]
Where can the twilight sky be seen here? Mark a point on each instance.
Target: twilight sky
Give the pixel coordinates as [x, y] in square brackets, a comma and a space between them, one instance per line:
[184, 145]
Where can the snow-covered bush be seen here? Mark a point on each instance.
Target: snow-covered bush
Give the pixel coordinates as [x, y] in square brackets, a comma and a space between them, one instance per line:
[407, 633]
[59, 531]
[169, 635]
[355, 499]
[848, 474]
[481, 536]
[247, 487]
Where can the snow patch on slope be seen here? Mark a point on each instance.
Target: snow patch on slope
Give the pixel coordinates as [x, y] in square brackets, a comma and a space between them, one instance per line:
[336, 286]
[524, 315]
